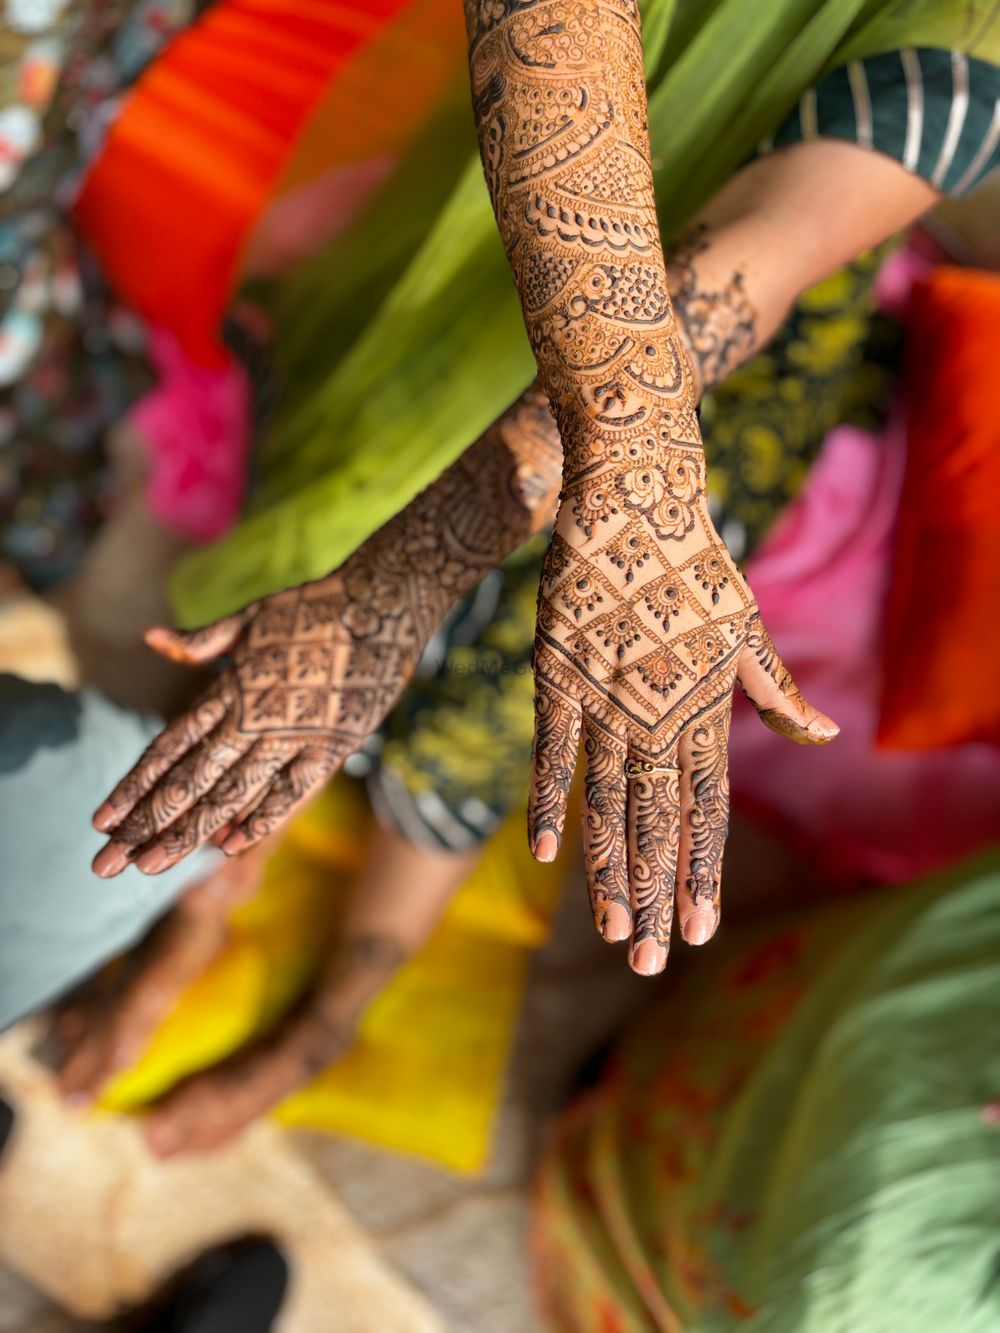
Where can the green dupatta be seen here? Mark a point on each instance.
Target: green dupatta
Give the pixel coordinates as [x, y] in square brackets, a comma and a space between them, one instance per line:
[403, 341]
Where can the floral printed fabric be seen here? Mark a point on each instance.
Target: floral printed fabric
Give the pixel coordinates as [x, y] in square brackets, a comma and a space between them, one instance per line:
[70, 362]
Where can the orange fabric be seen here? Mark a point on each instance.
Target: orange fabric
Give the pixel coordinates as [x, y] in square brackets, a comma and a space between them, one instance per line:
[192, 160]
[942, 653]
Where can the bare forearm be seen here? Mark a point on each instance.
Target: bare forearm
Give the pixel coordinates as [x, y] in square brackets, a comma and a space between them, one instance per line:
[397, 903]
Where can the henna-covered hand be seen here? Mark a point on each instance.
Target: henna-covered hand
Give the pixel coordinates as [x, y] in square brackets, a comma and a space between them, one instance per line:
[644, 623]
[316, 669]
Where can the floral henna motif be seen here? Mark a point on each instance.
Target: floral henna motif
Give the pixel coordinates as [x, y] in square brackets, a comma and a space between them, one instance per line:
[719, 327]
[644, 623]
[315, 670]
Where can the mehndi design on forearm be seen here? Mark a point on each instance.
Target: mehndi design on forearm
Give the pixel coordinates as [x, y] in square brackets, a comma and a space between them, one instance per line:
[316, 669]
[717, 324]
[560, 106]
[644, 622]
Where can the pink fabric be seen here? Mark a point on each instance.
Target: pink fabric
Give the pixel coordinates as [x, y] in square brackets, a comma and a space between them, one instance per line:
[196, 426]
[895, 280]
[821, 579]
[196, 422]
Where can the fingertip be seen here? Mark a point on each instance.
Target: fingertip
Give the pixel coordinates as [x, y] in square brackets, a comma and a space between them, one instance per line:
[546, 846]
[111, 860]
[235, 843]
[167, 644]
[648, 958]
[699, 927]
[158, 636]
[819, 730]
[615, 923]
[104, 818]
[823, 729]
[153, 861]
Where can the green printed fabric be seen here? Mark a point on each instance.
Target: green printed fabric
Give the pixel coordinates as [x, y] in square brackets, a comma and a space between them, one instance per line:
[792, 1139]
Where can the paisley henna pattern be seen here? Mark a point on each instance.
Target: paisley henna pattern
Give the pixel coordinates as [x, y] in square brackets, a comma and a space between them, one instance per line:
[315, 670]
[643, 620]
[705, 799]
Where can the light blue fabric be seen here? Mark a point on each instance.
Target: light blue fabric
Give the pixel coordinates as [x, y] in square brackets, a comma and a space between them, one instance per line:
[60, 754]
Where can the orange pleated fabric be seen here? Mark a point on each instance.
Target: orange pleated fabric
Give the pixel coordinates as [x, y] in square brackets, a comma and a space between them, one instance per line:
[202, 140]
[942, 645]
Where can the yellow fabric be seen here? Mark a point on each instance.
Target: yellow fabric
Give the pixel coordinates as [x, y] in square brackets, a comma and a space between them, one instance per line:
[426, 1073]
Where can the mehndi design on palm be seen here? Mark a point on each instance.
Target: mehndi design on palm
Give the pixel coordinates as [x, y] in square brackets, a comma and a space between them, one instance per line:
[316, 669]
[644, 622]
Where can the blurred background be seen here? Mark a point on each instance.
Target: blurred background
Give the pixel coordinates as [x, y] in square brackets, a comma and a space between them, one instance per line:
[379, 1072]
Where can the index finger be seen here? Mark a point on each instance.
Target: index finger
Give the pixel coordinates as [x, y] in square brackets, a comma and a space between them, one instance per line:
[161, 754]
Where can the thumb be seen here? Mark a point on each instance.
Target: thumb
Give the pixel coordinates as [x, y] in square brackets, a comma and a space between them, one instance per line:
[194, 646]
[771, 690]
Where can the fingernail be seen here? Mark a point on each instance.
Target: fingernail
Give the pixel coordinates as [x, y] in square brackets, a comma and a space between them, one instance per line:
[234, 844]
[699, 927]
[991, 1113]
[546, 846]
[153, 861]
[648, 958]
[824, 728]
[78, 1100]
[104, 817]
[164, 643]
[110, 860]
[617, 923]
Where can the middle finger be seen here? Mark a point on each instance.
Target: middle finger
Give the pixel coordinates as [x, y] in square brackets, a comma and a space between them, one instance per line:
[653, 840]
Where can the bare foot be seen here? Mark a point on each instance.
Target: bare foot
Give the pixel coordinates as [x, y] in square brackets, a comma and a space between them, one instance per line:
[396, 903]
[106, 1031]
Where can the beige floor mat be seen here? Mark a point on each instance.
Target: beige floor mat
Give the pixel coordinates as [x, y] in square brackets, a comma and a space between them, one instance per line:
[84, 1188]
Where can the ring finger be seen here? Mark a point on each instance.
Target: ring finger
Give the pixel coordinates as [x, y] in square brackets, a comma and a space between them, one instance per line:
[704, 823]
